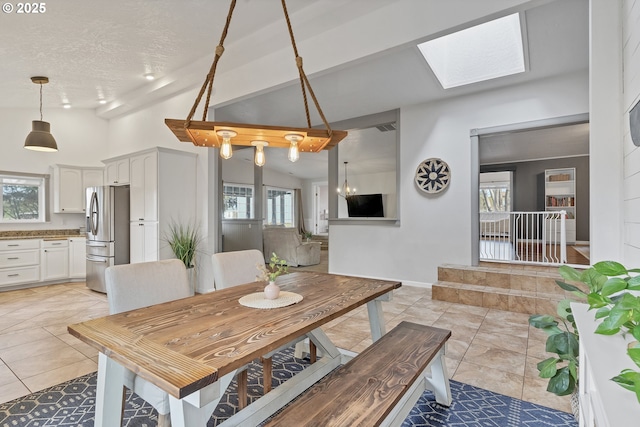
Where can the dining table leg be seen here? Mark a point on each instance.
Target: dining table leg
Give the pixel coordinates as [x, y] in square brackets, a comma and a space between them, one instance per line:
[376, 317]
[109, 391]
[196, 409]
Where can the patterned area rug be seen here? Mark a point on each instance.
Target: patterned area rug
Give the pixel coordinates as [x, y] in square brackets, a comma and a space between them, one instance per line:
[73, 404]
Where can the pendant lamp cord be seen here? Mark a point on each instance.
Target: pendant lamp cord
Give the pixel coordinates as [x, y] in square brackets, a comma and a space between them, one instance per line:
[40, 101]
[304, 81]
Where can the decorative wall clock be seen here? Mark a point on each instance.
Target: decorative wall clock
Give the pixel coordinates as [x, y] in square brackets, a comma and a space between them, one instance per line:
[433, 175]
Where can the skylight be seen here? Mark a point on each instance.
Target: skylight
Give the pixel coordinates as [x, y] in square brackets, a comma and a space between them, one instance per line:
[486, 51]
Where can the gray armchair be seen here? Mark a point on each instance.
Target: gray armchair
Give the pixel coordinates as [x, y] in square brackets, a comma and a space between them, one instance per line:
[288, 245]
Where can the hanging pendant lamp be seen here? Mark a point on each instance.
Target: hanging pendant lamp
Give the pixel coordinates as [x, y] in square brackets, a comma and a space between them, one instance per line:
[210, 134]
[40, 138]
[346, 191]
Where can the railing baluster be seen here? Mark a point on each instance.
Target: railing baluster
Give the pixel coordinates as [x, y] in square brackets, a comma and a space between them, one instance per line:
[535, 237]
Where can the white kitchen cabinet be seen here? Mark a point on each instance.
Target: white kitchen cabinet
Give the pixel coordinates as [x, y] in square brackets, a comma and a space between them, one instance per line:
[19, 261]
[144, 187]
[77, 257]
[69, 187]
[116, 171]
[55, 259]
[144, 242]
[163, 191]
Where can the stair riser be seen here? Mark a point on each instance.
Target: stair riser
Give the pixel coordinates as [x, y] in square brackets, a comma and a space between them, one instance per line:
[516, 281]
[499, 301]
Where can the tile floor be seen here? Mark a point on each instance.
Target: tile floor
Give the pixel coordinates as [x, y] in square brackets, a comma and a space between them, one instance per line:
[492, 349]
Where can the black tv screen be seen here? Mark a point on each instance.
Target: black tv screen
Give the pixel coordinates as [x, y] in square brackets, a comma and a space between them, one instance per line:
[365, 205]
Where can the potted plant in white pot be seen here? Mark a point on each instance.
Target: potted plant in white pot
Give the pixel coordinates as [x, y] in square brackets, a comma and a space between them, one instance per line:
[184, 240]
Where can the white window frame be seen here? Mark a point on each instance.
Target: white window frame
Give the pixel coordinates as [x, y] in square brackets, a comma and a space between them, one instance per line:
[252, 213]
[267, 218]
[39, 181]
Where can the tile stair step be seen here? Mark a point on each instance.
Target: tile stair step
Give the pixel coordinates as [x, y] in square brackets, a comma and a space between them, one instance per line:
[517, 301]
[540, 279]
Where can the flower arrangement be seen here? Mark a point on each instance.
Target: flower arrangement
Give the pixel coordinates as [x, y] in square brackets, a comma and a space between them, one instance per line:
[273, 269]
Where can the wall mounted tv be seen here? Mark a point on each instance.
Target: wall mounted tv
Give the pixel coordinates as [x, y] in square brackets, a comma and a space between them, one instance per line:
[365, 206]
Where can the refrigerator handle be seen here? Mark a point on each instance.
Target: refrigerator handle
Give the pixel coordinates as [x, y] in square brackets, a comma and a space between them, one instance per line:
[93, 213]
[92, 259]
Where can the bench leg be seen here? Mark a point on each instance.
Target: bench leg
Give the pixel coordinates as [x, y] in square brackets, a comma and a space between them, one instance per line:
[439, 381]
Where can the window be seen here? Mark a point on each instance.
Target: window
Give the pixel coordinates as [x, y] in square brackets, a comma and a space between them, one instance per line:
[280, 207]
[495, 192]
[23, 197]
[238, 201]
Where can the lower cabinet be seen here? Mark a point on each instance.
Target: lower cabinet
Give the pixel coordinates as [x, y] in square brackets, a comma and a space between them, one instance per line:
[143, 242]
[77, 258]
[55, 259]
[19, 262]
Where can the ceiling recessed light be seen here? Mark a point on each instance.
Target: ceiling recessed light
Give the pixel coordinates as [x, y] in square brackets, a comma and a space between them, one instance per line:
[66, 105]
[149, 76]
[102, 101]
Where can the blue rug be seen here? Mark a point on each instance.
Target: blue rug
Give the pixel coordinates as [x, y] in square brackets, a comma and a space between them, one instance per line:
[73, 404]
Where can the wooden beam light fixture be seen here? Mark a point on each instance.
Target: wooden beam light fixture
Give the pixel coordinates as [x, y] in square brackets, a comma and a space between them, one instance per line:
[223, 135]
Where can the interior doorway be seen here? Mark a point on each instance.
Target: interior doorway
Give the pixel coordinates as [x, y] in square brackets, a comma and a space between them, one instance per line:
[321, 209]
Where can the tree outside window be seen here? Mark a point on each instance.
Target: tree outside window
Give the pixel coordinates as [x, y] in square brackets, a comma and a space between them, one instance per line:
[22, 198]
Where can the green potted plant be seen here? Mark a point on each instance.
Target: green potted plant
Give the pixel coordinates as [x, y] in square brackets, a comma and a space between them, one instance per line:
[184, 240]
[612, 292]
[308, 235]
[562, 339]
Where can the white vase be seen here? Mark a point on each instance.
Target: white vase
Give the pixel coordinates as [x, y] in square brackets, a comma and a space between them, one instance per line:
[272, 291]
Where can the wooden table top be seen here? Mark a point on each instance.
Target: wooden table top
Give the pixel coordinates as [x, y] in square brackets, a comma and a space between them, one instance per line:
[184, 345]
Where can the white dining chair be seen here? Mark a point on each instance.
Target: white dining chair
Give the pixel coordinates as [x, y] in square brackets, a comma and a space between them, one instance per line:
[240, 267]
[132, 286]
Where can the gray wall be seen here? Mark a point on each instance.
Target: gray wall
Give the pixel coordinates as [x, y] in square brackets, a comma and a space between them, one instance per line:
[528, 193]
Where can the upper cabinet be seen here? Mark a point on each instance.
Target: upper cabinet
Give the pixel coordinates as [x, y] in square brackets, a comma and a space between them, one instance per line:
[144, 187]
[69, 187]
[116, 171]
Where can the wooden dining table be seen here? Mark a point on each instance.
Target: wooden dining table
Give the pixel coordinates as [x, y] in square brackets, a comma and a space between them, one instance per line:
[193, 347]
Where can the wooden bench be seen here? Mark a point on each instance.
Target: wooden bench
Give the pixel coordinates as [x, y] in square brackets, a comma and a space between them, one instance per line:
[379, 386]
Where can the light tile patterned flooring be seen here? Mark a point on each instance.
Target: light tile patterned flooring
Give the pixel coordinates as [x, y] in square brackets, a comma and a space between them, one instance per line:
[492, 349]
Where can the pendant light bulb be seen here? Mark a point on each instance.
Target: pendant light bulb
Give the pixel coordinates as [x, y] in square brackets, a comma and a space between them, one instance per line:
[226, 151]
[294, 152]
[259, 159]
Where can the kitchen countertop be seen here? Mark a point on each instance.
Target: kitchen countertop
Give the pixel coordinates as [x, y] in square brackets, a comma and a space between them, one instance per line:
[40, 234]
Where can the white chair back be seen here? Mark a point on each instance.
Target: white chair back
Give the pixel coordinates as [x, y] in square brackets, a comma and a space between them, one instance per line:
[131, 286]
[236, 268]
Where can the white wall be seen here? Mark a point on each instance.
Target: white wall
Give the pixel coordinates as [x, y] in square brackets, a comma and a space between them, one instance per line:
[81, 138]
[605, 130]
[437, 229]
[631, 165]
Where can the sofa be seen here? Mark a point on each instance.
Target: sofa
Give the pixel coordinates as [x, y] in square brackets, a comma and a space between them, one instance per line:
[288, 245]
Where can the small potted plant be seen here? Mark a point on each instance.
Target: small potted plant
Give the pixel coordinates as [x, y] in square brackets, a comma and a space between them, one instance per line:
[270, 272]
[308, 235]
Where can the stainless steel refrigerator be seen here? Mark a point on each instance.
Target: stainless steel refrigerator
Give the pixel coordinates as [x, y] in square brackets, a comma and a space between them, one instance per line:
[107, 232]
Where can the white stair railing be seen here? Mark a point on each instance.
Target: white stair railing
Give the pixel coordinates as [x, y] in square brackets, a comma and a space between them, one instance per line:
[535, 237]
